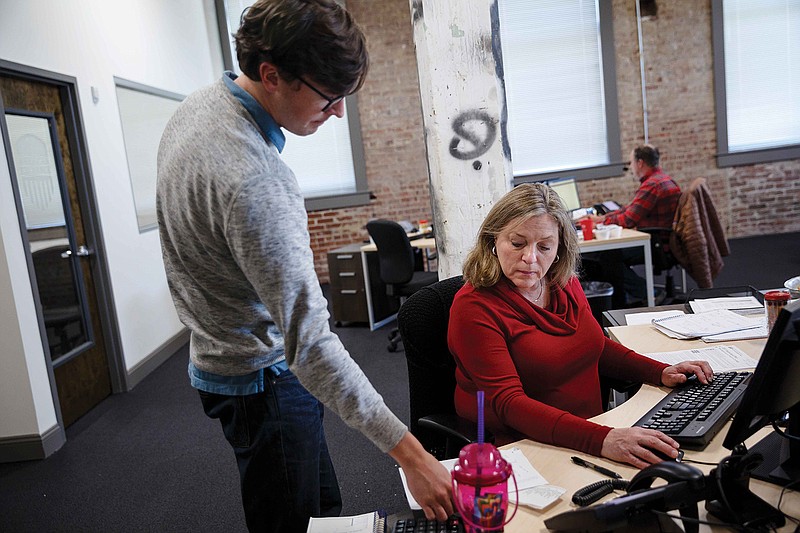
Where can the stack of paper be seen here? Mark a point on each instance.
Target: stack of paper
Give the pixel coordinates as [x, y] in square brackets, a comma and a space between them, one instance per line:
[708, 324]
[731, 303]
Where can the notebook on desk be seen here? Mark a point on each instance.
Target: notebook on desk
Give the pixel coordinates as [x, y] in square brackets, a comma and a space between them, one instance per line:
[567, 190]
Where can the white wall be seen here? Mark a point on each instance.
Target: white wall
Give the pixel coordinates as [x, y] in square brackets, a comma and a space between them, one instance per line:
[166, 44]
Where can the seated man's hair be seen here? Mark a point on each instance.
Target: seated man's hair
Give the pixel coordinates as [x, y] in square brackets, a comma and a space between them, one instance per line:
[647, 153]
[314, 39]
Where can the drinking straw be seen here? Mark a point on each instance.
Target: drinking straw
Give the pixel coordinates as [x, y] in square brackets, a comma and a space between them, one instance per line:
[480, 417]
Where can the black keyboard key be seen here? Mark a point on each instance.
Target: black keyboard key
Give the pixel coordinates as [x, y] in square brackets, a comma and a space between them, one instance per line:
[422, 525]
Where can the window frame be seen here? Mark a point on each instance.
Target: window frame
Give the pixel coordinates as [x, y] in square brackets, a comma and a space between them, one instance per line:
[361, 194]
[615, 166]
[725, 157]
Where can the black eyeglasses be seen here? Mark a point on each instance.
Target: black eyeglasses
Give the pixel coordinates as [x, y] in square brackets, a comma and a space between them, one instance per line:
[331, 101]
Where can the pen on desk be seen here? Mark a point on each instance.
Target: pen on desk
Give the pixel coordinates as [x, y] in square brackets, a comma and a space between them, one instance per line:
[586, 464]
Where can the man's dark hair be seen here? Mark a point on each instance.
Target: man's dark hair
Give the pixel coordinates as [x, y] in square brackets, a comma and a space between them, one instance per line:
[647, 153]
[313, 39]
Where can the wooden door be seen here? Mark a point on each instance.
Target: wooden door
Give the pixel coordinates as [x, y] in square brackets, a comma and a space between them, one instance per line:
[42, 164]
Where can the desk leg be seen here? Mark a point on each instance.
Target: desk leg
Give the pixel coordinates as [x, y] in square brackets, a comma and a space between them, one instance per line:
[368, 290]
[648, 269]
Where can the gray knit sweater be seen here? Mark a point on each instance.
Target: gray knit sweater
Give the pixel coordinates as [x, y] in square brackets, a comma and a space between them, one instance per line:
[240, 268]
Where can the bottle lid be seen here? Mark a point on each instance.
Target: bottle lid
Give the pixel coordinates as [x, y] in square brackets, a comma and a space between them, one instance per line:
[777, 296]
[481, 464]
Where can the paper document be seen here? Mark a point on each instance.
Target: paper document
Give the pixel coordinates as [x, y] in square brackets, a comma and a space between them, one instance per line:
[727, 302]
[721, 358]
[524, 472]
[760, 331]
[364, 523]
[703, 324]
[637, 319]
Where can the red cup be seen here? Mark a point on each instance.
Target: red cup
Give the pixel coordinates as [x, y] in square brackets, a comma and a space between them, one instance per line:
[588, 229]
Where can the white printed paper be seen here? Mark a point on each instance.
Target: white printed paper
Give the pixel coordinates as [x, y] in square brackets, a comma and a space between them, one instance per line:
[721, 358]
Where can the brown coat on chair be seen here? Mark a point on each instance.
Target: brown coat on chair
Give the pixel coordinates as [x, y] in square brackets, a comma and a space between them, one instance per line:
[698, 241]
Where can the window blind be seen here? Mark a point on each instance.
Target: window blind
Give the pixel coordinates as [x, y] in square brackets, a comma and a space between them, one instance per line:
[554, 84]
[762, 73]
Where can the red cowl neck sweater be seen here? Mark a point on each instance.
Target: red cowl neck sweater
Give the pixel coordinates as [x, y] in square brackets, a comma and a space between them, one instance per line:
[539, 368]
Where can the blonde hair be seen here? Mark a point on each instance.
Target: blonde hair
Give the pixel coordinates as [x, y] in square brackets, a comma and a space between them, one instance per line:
[482, 268]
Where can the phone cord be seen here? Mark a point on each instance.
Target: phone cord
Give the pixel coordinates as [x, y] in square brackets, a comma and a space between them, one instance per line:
[591, 493]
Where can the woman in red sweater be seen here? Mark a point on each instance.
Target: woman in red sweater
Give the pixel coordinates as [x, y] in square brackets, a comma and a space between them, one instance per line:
[521, 330]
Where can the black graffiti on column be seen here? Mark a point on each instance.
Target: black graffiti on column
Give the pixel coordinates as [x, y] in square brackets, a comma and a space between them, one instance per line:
[480, 143]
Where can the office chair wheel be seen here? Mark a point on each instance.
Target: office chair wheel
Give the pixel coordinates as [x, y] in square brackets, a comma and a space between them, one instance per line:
[392, 347]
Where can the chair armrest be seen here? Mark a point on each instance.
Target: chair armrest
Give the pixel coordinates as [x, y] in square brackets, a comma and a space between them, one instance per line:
[454, 427]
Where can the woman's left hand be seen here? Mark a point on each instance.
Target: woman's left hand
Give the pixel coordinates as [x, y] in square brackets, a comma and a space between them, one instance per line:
[676, 374]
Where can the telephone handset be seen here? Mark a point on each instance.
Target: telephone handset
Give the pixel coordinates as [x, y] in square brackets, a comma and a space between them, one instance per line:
[670, 471]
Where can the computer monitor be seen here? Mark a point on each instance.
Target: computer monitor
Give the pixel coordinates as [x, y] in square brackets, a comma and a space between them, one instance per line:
[774, 392]
[567, 189]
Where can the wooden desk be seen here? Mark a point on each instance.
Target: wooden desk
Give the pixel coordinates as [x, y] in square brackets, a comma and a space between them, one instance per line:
[377, 321]
[630, 238]
[555, 465]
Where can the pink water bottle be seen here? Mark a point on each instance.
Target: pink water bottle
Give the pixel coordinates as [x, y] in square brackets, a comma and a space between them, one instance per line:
[480, 484]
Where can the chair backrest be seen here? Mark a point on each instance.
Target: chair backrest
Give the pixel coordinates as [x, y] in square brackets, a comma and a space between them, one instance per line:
[698, 240]
[423, 320]
[395, 254]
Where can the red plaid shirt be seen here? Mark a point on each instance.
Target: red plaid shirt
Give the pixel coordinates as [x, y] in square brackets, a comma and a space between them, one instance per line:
[653, 206]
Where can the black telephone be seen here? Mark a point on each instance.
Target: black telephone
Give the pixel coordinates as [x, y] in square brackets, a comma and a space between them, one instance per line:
[686, 485]
[606, 207]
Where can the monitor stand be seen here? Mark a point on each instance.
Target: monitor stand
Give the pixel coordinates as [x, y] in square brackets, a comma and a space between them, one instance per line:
[733, 502]
[781, 464]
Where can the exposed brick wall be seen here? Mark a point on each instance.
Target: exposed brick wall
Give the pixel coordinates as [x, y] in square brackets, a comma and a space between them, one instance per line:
[392, 131]
[752, 200]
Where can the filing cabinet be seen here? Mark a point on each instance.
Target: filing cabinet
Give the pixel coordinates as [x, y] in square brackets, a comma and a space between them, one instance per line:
[347, 290]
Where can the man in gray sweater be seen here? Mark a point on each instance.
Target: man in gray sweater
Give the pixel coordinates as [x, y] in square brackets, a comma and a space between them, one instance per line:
[240, 268]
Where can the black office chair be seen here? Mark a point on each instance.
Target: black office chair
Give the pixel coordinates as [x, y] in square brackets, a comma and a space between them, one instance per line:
[423, 321]
[397, 264]
[664, 260]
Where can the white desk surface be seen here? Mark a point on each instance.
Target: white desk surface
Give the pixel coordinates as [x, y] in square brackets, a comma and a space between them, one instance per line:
[628, 236]
[555, 465]
[629, 239]
[427, 243]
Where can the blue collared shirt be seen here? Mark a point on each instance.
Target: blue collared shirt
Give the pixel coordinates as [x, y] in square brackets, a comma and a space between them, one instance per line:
[264, 120]
[254, 382]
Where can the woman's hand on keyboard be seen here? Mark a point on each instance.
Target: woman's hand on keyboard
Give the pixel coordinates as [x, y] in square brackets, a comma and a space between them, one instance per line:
[675, 375]
[635, 446]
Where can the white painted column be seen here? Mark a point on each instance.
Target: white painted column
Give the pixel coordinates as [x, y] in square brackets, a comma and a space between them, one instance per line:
[463, 106]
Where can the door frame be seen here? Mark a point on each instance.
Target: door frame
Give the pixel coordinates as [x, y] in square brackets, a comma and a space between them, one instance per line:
[67, 87]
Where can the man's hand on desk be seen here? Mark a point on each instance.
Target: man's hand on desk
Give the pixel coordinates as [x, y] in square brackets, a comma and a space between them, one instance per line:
[634, 446]
[675, 375]
[428, 481]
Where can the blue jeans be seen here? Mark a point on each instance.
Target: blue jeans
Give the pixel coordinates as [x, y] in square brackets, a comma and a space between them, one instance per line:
[285, 470]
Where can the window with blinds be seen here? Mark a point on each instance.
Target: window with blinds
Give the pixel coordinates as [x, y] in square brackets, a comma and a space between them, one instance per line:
[560, 88]
[757, 75]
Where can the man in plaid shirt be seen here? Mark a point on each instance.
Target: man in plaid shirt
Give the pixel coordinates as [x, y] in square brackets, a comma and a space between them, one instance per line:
[656, 200]
[653, 207]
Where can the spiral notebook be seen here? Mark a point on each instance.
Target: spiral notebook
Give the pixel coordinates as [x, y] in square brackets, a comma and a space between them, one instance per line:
[706, 324]
[374, 522]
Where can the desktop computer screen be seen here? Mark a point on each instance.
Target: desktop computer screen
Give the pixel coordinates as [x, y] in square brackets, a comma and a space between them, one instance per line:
[567, 189]
[772, 394]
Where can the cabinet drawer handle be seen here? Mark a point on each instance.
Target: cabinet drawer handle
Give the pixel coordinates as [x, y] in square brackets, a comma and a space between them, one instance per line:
[346, 256]
[348, 291]
[346, 274]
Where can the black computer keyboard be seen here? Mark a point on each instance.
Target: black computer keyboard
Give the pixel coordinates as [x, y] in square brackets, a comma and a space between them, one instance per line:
[422, 525]
[693, 413]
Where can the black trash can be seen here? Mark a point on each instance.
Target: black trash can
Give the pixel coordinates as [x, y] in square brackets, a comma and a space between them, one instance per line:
[599, 294]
